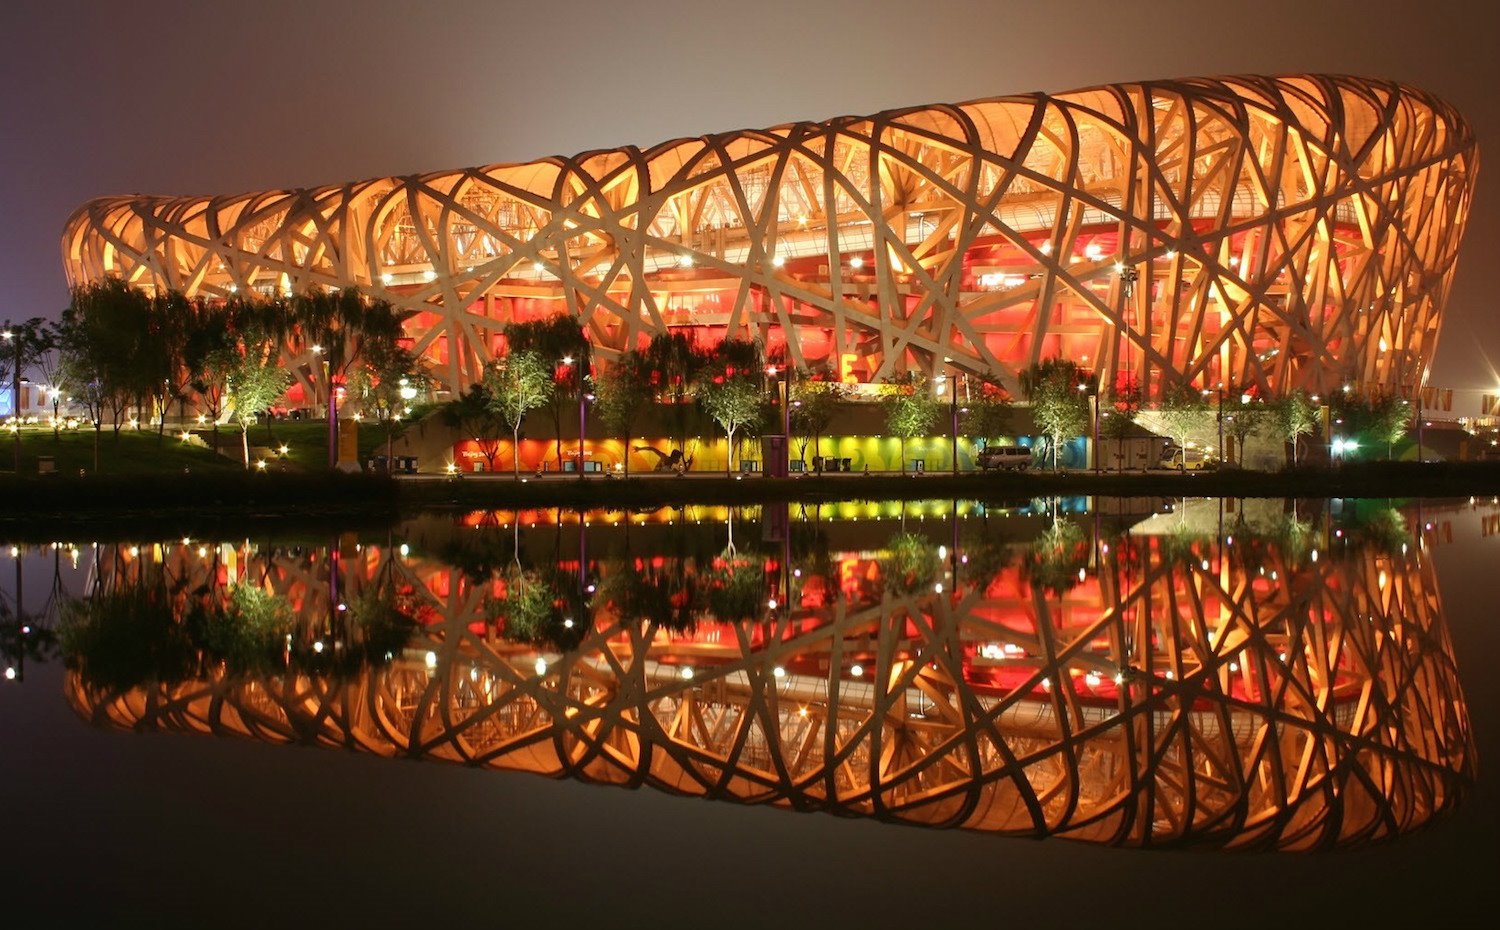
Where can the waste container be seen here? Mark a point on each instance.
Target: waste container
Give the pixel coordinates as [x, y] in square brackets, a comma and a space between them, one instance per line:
[46, 465]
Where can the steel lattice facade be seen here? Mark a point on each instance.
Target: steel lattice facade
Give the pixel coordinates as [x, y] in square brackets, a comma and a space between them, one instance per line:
[1280, 233]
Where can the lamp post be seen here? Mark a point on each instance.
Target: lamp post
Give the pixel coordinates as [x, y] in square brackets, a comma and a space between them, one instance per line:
[784, 466]
[950, 383]
[1219, 415]
[333, 409]
[14, 339]
[1094, 396]
[583, 398]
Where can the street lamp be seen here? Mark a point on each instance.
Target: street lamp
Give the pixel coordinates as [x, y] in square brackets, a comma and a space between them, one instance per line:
[943, 384]
[333, 408]
[784, 467]
[14, 339]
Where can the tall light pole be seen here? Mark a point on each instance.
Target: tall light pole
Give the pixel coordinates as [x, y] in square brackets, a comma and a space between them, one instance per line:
[951, 383]
[333, 409]
[14, 339]
[784, 465]
[1094, 395]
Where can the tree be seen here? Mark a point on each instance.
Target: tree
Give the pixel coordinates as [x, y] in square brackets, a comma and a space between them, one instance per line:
[1295, 416]
[561, 343]
[910, 409]
[102, 335]
[385, 385]
[24, 347]
[672, 365]
[473, 416]
[730, 389]
[1390, 419]
[990, 413]
[1058, 407]
[173, 317]
[346, 326]
[1116, 422]
[209, 355]
[1367, 422]
[1244, 415]
[518, 384]
[1184, 411]
[252, 385]
[621, 392]
[814, 403]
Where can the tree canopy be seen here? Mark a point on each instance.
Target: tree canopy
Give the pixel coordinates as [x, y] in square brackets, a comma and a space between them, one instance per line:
[1058, 406]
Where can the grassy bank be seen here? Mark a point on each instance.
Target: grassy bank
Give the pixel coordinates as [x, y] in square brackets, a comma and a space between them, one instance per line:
[205, 492]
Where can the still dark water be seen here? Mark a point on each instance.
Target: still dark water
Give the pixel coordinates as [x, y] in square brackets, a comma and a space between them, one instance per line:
[864, 714]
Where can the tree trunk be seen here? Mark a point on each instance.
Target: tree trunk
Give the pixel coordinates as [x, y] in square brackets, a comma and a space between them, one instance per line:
[515, 449]
[627, 458]
[903, 455]
[245, 442]
[728, 453]
[98, 430]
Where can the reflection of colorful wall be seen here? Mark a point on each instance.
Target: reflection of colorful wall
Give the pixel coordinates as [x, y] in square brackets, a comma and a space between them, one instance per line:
[1291, 232]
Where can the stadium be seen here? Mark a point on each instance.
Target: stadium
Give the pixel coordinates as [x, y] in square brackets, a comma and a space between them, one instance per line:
[1260, 233]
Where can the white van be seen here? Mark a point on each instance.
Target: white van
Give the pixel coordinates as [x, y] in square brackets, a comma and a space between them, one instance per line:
[1005, 458]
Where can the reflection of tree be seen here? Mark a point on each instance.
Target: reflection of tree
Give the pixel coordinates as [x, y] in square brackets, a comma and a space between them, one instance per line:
[1381, 528]
[248, 632]
[1182, 545]
[21, 640]
[540, 607]
[479, 556]
[152, 627]
[735, 587]
[1054, 560]
[122, 638]
[909, 563]
[663, 593]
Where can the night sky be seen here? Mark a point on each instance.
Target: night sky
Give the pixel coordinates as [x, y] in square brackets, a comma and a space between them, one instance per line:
[207, 98]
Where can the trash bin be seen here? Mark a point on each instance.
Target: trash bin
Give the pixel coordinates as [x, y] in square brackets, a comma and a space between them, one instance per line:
[844, 464]
[919, 465]
[46, 465]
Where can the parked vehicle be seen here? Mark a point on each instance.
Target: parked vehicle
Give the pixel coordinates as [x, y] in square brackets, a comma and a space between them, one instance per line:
[1005, 458]
[1186, 459]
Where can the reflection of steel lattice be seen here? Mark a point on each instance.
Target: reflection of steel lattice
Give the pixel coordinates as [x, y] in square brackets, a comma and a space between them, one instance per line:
[1200, 699]
[1288, 232]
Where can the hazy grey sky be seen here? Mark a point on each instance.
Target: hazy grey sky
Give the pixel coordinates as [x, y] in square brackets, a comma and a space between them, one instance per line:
[217, 97]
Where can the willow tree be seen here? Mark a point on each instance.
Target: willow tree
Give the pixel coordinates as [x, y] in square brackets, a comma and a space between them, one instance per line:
[517, 384]
[672, 363]
[560, 342]
[622, 391]
[343, 328]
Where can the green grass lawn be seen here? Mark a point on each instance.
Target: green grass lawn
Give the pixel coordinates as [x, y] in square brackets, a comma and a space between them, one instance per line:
[140, 452]
[306, 440]
[132, 452]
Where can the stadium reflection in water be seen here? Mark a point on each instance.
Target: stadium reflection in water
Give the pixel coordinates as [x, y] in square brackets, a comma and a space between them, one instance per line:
[1191, 675]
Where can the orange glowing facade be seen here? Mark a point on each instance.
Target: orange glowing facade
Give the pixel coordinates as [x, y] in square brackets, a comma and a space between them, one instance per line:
[1131, 689]
[1261, 233]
